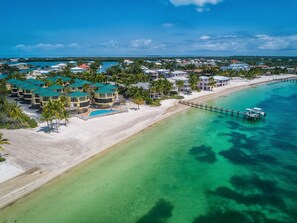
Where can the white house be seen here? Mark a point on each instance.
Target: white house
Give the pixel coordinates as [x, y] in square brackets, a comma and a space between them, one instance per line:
[221, 80]
[236, 67]
[186, 89]
[152, 73]
[178, 73]
[77, 70]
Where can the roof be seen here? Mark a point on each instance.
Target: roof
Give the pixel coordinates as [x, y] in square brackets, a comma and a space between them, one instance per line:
[12, 81]
[98, 84]
[40, 90]
[144, 85]
[3, 76]
[221, 78]
[29, 87]
[77, 94]
[76, 84]
[34, 81]
[55, 87]
[56, 78]
[84, 66]
[82, 81]
[204, 77]
[49, 93]
[105, 90]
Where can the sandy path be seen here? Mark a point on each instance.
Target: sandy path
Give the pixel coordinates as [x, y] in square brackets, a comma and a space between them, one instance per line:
[43, 157]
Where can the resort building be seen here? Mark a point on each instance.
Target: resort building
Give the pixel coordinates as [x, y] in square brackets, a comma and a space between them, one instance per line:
[78, 101]
[56, 87]
[28, 92]
[106, 96]
[36, 95]
[60, 80]
[78, 85]
[11, 85]
[48, 95]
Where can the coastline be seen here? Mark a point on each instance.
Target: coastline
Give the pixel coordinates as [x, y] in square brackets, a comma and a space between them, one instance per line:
[47, 156]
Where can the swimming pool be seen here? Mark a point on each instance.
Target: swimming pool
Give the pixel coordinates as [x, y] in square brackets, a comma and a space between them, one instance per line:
[98, 113]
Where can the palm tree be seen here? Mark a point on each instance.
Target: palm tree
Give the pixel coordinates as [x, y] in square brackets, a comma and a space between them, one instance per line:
[2, 142]
[14, 111]
[212, 83]
[65, 116]
[194, 81]
[179, 84]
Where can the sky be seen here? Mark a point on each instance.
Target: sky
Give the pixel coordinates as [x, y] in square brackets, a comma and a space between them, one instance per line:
[148, 27]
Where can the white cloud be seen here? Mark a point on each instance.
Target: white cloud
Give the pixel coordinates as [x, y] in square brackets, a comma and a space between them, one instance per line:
[168, 25]
[47, 46]
[204, 37]
[266, 42]
[141, 43]
[199, 3]
[200, 10]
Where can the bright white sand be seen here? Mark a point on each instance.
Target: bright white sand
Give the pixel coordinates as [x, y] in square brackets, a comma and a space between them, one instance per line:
[8, 170]
[52, 154]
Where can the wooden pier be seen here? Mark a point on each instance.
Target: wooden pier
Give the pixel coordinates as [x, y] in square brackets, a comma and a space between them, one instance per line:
[221, 110]
[289, 79]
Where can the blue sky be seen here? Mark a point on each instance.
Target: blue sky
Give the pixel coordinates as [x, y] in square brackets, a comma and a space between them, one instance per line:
[148, 27]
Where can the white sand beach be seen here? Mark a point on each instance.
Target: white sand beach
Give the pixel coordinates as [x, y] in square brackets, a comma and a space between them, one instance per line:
[39, 157]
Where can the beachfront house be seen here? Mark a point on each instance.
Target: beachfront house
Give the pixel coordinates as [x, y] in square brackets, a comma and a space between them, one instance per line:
[186, 88]
[204, 83]
[221, 81]
[105, 96]
[78, 101]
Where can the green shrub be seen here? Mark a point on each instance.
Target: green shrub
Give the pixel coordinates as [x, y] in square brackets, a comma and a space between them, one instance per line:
[2, 159]
[32, 123]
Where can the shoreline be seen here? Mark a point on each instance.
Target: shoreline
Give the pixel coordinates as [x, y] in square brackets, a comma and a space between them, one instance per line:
[89, 143]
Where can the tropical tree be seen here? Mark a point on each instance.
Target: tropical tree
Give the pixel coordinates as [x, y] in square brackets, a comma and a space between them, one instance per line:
[211, 82]
[193, 81]
[15, 111]
[179, 84]
[54, 112]
[3, 142]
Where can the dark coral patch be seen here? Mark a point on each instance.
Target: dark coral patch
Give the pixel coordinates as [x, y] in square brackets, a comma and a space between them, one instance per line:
[160, 213]
[204, 154]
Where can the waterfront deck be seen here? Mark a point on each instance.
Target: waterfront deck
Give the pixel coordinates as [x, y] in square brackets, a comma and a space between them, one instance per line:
[222, 110]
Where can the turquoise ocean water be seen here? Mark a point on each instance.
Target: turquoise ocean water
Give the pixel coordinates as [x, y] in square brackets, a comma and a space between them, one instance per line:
[197, 167]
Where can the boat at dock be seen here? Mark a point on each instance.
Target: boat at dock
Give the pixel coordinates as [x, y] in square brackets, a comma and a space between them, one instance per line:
[254, 114]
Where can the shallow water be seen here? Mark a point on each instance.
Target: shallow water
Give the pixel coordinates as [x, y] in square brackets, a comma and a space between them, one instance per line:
[197, 166]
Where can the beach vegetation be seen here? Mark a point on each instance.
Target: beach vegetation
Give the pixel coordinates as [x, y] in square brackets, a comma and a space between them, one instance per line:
[53, 113]
[12, 116]
[3, 141]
